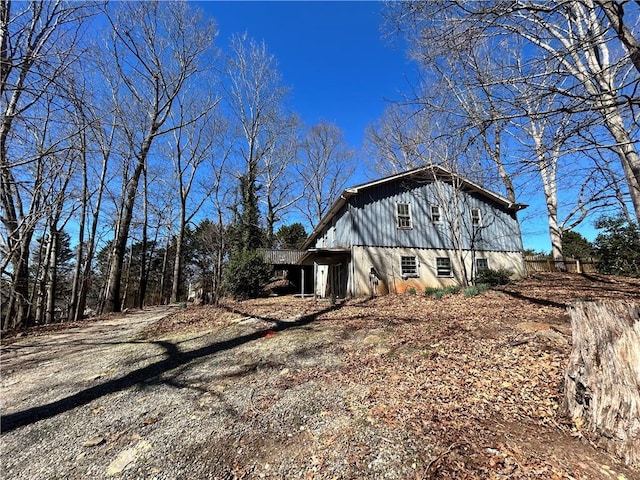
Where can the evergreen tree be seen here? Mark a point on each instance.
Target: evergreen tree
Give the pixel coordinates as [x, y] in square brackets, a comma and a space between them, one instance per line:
[618, 247]
[575, 245]
[291, 236]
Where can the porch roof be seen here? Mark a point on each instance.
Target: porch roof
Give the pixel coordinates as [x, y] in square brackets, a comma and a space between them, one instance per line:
[325, 256]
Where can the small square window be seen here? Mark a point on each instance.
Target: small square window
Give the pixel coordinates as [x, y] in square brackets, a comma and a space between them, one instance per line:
[409, 266]
[435, 214]
[482, 264]
[476, 219]
[443, 267]
[404, 215]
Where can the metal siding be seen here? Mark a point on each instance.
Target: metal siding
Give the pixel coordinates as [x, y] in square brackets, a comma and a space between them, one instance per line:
[371, 219]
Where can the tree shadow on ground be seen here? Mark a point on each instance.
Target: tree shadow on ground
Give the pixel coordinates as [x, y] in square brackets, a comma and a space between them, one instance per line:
[538, 301]
[174, 358]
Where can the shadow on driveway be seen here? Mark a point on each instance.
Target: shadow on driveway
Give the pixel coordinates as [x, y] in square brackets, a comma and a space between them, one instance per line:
[174, 359]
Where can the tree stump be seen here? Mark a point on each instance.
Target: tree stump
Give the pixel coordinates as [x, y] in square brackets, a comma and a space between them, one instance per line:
[602, 381]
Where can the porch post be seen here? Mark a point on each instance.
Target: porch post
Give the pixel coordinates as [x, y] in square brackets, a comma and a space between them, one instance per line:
[315, 280]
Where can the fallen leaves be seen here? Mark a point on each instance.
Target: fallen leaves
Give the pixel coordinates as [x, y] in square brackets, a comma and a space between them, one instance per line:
[477, 380]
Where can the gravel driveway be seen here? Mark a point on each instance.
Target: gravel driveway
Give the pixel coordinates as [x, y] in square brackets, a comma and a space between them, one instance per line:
[234, 401]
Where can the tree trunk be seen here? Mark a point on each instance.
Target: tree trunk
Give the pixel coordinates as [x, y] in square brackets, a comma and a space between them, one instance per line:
[40, 288]
[165, 262]
[602, 381]
[127, 272]
[177, 263]
[144, 274]
[52, 277]
[112, 300]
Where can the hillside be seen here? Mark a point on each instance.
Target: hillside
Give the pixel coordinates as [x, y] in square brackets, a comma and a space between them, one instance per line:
[393, 387]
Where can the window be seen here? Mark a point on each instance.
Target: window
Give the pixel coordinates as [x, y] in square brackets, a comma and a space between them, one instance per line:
[404, 215]
[435, 214]
[409, 266]
[476, 220]
[443, 267]
[482, 264]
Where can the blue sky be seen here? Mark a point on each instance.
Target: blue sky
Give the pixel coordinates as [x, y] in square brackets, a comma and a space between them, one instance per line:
[330, 54]
[339, 68]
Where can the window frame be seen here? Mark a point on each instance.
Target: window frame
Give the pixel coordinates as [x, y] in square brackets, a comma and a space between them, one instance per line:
[437, 209]
[476, 220]
[415, 268]
[449, 273]
[484, 268]
[402, 218]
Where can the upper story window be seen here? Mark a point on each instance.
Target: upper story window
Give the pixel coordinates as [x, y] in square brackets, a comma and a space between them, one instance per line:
[409, 266]
[443, 266]
[404, 215]
[435, 214]
[476, 219]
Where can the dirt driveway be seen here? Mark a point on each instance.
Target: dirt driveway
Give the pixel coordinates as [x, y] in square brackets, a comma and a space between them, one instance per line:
[399, 387]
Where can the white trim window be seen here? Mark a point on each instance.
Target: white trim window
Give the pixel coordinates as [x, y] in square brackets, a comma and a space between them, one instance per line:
[482, 264]
[409, 266]
[476, 218]
[434, 212]
[403, 212]
[443, 267]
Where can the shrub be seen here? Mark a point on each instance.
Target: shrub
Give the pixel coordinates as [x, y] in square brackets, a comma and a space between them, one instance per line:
[493, 277]
[451, 289]
[430, 291]
[439, 292]
[245, 274]
[474, 290]
[411, 291]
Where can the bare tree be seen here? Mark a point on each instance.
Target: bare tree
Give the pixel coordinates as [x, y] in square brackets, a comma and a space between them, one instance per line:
[191, 146]
[571, 36]
[38, 42]
[401, 139]
[282, 187]
[326, 164]
[155, 49]
[255, 97]
[620, 22]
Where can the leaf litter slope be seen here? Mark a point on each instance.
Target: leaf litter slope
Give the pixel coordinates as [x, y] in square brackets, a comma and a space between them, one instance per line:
[394, 387]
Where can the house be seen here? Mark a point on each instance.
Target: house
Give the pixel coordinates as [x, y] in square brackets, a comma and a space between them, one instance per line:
[424, 227]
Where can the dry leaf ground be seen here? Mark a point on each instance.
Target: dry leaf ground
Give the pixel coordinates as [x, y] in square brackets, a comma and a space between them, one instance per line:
[398, 387]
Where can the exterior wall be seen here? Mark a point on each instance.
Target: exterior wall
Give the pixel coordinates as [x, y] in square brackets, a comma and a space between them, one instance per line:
[386, 261]
[370, 219]
[322, 274]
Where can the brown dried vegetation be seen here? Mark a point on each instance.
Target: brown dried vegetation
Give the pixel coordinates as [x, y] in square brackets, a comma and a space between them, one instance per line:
[396, 387]
[472, 385]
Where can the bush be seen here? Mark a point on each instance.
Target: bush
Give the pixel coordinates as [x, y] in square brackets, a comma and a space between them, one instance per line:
[411, 291]
[430, 291]
[245, 274]
[439, 292]
[493, 277]
[451, 289]
[474, 290]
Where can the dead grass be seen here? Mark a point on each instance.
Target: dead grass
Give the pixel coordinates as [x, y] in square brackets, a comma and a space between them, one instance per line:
[471, 383]
[397, 387]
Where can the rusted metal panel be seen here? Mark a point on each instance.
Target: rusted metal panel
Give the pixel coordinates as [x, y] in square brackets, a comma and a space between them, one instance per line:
[282, 257]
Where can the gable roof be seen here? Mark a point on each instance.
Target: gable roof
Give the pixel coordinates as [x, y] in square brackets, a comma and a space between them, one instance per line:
[432, 170]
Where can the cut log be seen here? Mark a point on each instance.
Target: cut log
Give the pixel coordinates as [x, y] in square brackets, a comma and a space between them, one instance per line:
[602, 381]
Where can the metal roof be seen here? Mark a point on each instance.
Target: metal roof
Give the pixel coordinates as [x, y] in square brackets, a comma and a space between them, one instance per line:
[281, 257]
[432, 170]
